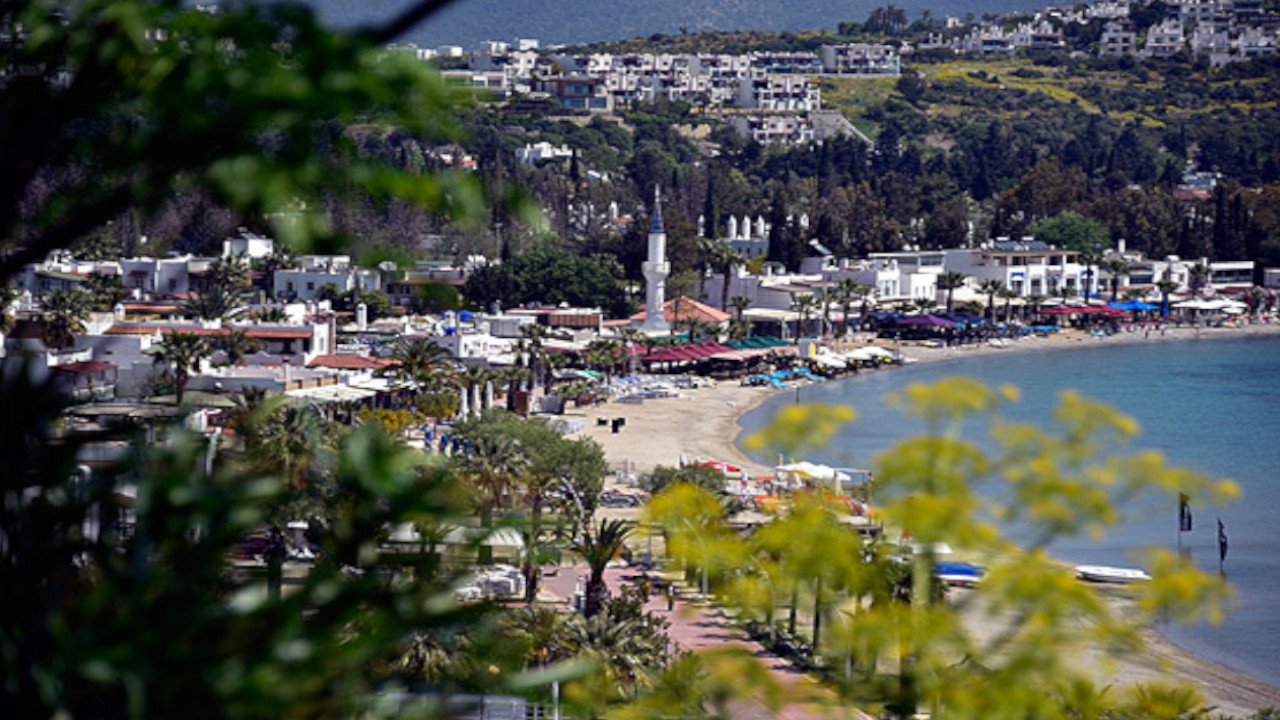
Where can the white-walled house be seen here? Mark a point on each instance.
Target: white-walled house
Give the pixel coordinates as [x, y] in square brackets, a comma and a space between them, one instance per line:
[160, 276]
[320, 270]
[1028, 267]
[248, 245]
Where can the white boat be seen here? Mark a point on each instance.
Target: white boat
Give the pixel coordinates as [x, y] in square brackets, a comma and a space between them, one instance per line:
[1107, 574]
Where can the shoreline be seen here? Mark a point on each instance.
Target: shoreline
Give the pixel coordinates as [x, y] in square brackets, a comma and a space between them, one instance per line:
[705, 424]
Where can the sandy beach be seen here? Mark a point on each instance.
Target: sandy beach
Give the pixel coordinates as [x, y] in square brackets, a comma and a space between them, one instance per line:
[704, 424]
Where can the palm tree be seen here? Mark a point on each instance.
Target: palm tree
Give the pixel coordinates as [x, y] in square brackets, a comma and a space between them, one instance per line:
[740, 304]
[279, 259]
[726, 260]
[1165, 287]
[104, 290]
[533, 336]
[246, 407]
[924, 305]
[182, 353]
[289, 441]
[605, 355]
[864, 295]
[236, 344]
[1089, 259]
[1257, 298]
[421, 362]
[700, 329]
[1199, 276]
[598, 551]
[804, 305]
[470, 382]
[825, 297]
[64, 313]
[1035, 301]
[708, 250]
[1116, 268]
[845, 292]
[513, 378]
[622, 647]
[1008, 295]
[492, 468]
[630, 338]
[215, 302]
[949, 281]
[991, 288]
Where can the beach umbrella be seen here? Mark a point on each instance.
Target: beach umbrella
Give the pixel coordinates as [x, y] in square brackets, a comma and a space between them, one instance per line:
[926, 321]
[723, 467]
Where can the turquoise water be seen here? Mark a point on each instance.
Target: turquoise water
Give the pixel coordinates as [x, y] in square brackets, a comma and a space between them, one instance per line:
[1213, 405]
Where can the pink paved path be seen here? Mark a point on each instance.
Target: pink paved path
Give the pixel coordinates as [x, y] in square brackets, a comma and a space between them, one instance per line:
[697, 627]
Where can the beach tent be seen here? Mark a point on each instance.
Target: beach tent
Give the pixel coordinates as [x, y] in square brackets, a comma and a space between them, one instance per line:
[1133, 305]
[870, 352]
[798, 473]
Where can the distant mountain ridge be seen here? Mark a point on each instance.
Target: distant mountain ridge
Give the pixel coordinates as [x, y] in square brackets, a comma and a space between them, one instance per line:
[470, 22]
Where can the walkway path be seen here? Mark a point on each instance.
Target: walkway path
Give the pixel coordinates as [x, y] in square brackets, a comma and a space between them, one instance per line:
[697, 626]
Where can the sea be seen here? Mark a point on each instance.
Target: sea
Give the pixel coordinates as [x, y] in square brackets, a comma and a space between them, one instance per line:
[468, 23]
[1209, 404]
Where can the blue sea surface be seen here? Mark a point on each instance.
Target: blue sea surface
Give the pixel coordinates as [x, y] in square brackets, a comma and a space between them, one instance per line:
[1213, 405]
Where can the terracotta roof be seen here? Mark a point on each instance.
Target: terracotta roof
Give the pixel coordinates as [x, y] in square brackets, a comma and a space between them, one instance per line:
[152, 307]
[258, 333]
[278, 334]
[685, 308]
[347, 362]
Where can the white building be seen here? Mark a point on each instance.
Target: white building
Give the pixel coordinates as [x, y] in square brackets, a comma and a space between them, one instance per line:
[861, 59]
[249, 245]
[1118, 38]
[534, 153]
[1165, 39]
[320, 270]
[768, 129]
[160, 276]
[779, 92]
[1028, 267]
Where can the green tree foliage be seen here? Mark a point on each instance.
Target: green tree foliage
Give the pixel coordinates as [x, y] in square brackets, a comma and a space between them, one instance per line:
[1073, 231]
[63, 312]
[548, 472]
[182, 354]
[549, 276]
[105, 290]
[903, 650]
[598, 547]
[665, 476]
[167, 105]
[146, 621]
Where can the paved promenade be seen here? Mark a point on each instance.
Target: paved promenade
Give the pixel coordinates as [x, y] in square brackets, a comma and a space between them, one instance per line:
[697, 626]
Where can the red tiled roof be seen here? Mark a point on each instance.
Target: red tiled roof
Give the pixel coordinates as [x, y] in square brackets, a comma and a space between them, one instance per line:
[347, 362]
[257, 333]
[278, 334]
[685, 308]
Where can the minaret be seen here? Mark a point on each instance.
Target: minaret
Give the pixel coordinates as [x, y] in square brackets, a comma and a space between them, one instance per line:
[656, 269]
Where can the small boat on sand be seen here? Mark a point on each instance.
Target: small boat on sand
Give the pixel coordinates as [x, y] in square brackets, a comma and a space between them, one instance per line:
[1107, 574]
[959, 574]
